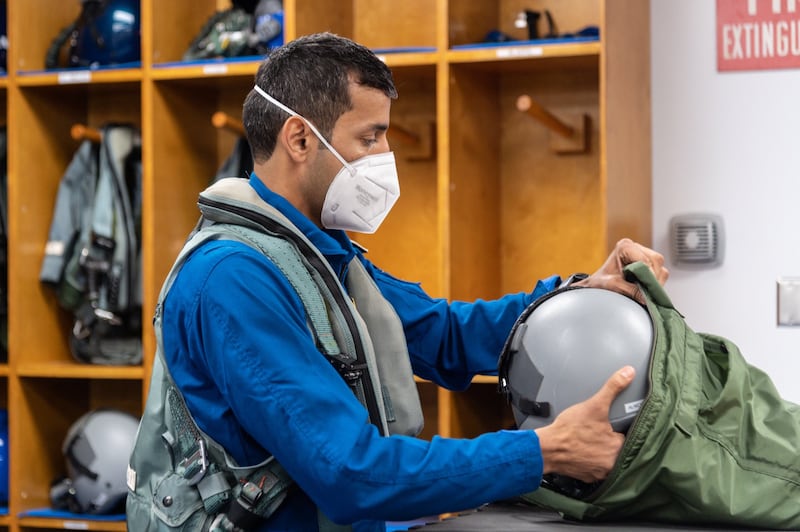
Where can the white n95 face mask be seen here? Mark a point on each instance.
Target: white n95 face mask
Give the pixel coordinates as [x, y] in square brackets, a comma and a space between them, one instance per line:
[362, 193]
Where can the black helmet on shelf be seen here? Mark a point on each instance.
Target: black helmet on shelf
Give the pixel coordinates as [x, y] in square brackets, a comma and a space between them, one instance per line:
[107, 32]
[566, 345]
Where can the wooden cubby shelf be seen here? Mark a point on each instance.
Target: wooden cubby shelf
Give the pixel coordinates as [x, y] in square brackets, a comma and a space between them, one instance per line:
[523, 51]
[78, 77]
[205, 70]
[488, 205]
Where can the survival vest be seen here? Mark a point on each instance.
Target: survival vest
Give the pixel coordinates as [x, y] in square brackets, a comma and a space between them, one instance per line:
[713, 443]
[92, 256]
[180, 478]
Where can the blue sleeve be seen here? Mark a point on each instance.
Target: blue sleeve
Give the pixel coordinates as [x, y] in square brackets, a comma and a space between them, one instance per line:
[252, 377]
[451, 343]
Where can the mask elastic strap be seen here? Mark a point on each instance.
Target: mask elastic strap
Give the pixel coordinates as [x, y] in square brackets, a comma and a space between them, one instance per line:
[278, 104]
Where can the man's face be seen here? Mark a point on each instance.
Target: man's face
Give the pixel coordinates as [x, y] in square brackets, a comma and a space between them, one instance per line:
[359, 132]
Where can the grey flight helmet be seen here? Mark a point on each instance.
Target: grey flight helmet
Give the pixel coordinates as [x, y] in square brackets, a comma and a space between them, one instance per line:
[96, 448]
[565, 346]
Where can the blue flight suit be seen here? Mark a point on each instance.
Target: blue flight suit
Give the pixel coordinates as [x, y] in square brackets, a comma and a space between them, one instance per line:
[238, 346]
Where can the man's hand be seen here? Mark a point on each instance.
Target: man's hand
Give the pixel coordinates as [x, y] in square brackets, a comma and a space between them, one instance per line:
[580, 442]
[609, 276]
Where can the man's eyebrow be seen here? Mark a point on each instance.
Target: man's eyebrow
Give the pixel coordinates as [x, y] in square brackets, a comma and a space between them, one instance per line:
[376, 127]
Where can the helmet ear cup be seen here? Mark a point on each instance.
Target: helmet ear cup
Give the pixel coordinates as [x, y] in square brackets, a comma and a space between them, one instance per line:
[564, 348]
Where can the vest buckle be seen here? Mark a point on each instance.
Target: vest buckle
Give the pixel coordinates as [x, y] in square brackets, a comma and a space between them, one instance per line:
[195, 465]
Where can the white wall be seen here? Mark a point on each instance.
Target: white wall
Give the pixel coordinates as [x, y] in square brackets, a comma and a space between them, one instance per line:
[728, 143]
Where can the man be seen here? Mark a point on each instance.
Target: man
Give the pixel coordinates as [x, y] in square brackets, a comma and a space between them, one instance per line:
[244, 350]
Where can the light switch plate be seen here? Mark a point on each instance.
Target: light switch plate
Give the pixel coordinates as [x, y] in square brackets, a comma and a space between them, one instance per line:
[789, 301]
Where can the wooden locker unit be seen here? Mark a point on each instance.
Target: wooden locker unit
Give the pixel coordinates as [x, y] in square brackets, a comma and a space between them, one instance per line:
[488, 205]
[542, 212]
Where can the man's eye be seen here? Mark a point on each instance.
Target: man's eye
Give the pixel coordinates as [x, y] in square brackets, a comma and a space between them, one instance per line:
[370, 141]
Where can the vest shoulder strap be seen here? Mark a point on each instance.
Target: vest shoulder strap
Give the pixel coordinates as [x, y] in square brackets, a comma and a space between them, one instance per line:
[284, 256]
[232, 202]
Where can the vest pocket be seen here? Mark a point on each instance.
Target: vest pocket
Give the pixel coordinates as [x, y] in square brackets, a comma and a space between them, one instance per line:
[175, 502]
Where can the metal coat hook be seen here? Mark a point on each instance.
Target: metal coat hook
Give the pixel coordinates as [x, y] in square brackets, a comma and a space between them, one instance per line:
[84, 132]
[222, 120]
[571, 130]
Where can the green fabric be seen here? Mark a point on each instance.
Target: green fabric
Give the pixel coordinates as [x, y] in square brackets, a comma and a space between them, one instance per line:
[714, 443]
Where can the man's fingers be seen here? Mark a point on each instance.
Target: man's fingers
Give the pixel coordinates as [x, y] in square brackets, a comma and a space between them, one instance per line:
[614, 385]
[662, 274]
[630, 252]
[626, 288]
[637, 295]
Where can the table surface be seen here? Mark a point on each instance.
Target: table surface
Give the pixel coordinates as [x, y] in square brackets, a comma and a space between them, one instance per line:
[514, 517]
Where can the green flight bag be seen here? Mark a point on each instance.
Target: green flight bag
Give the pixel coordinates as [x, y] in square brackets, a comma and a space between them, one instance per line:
[713, 444]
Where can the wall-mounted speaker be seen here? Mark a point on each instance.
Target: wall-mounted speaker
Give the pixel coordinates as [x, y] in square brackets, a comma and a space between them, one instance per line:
[697, 241]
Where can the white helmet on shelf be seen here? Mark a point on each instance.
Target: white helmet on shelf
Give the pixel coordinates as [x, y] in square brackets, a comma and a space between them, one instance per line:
[96, 449]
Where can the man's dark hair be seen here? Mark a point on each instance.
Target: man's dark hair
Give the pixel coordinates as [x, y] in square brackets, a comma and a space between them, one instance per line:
[311, 76]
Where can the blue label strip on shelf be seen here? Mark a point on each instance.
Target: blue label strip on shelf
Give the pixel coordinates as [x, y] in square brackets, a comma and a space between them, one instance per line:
[63, 514]
[535, 42]
[118, 66]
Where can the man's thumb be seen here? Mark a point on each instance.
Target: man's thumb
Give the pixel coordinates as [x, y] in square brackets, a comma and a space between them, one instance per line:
[614, 385]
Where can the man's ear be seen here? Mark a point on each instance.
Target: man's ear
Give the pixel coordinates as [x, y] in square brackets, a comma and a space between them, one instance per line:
[296, 137]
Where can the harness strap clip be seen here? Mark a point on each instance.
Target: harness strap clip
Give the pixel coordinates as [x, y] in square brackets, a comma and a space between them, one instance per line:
[195, 465]
[80, 330]
[251, 493]
[107, 315]
[221, 523]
